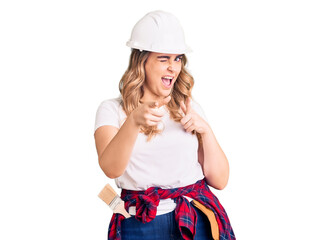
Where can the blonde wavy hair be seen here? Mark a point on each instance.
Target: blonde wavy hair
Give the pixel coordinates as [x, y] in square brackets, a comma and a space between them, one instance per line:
[131, 89]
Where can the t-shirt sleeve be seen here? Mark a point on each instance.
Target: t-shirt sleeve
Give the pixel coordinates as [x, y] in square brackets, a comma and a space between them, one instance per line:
[107, 114]
[196, 107]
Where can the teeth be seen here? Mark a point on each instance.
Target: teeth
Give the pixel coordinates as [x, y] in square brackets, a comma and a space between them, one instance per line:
[168, 78]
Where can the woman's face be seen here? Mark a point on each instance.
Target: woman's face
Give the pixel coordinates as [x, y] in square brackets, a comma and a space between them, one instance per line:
[162, 70]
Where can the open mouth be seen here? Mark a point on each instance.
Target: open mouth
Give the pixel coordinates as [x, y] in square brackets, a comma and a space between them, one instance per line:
[167, 80]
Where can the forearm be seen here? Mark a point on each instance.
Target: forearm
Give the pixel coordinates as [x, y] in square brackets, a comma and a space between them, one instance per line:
[215, 163]
[117, 154]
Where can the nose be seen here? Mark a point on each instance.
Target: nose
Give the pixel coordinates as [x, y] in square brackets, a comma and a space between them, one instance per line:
[171, 67]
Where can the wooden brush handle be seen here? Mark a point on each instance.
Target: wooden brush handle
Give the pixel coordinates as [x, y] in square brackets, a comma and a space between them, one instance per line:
[113, 200]
[121, 209]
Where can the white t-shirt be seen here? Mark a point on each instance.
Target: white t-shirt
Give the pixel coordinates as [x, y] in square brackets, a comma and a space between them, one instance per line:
[168, 160]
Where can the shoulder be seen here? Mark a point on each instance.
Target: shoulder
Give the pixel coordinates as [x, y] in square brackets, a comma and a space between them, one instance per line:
[195, 103]
[197, 107]
[111, 103]
[108, 113]
[109, 107]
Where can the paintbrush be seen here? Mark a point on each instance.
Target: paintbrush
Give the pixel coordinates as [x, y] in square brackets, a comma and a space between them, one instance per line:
[111, 198]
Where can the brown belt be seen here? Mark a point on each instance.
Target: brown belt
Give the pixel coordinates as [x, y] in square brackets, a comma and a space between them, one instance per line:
[211, 217]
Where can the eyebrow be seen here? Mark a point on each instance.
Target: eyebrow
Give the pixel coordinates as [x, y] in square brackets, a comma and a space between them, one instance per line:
[169, 57]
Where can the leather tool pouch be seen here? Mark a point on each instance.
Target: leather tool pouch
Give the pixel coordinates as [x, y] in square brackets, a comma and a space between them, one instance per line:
[211, 217]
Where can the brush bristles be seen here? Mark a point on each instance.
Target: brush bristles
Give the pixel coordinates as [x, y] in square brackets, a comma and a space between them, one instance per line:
[107, 194]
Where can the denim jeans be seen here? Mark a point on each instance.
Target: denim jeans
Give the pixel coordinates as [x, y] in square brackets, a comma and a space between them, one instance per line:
[163, 227]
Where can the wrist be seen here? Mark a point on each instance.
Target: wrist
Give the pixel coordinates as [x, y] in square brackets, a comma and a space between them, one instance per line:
[206, 131]
[133, 121]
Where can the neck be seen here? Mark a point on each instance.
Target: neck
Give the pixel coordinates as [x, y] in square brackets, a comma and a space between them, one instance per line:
[151, 99]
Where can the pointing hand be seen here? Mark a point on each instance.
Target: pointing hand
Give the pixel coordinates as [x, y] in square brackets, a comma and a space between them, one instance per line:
[148, 113]
[192, 120]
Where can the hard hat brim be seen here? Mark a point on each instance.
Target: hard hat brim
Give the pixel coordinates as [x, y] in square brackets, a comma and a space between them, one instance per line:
[140, 47]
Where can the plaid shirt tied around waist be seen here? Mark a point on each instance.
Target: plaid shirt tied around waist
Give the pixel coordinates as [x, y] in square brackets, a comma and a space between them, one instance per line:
[146, 203]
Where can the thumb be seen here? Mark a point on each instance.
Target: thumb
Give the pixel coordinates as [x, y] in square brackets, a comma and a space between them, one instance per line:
[188, 104]
[165, 101]
[183, 107]
[153, 104]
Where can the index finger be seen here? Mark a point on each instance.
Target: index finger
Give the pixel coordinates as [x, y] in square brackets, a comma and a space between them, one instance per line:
[156, 112]
[188, 105]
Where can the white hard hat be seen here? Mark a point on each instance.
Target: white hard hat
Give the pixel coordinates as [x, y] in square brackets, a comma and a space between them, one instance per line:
[158, 31]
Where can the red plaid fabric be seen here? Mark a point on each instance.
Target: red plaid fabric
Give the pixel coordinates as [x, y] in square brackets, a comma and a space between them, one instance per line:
[146, 203]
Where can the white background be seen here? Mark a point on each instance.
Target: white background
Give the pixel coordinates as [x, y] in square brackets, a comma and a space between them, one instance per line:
[262, 75]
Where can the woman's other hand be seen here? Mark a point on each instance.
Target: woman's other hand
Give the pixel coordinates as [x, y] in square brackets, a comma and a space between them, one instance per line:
[191, 120]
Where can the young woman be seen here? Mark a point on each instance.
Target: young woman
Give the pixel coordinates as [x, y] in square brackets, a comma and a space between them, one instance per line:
[155, 141]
